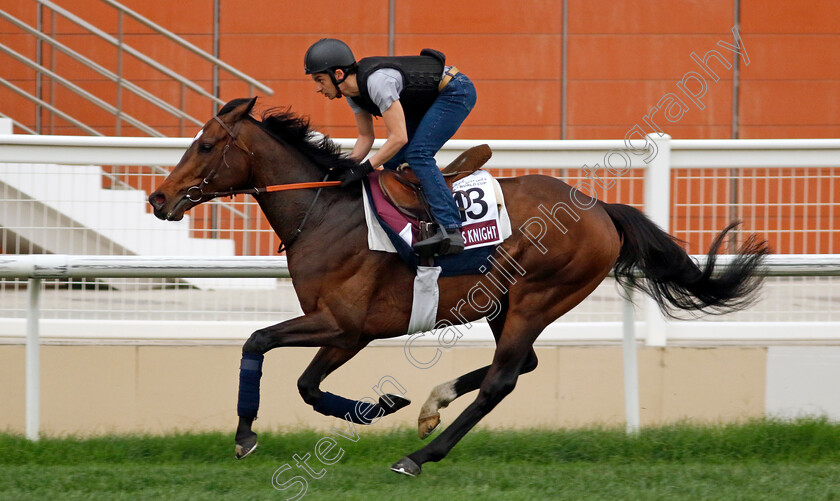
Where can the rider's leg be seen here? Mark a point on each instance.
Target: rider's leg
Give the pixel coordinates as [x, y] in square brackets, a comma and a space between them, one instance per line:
[438, 125]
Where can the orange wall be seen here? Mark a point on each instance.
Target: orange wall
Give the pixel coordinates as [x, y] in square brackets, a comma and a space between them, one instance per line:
[623, 57]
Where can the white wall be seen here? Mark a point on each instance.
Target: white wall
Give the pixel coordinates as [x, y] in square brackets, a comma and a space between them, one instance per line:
[803, 380]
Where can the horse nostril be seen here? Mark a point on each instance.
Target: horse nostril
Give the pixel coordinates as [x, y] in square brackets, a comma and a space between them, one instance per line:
[157, 200]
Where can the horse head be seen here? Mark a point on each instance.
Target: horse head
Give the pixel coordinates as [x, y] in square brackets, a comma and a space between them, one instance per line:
[217, 160]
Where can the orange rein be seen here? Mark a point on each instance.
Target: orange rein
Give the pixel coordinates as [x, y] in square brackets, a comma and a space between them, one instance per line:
[300, 186]
[273, 188]
[269, 189]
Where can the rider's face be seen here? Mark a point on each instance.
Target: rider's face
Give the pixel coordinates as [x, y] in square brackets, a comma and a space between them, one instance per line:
[324, 85]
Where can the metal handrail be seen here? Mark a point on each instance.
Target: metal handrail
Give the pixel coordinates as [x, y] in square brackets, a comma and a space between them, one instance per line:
[50, 107]
[121, 82]
[78, 90]
[148, 96]
[187, 45]
[131, 50]
[15, 122]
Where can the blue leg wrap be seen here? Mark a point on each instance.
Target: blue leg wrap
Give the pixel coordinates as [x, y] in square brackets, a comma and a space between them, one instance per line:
[250, 372]
[344, 408]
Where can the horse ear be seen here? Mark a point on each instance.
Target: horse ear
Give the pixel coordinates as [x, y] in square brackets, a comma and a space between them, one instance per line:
[238, 108]
[244, 110]
[250, 106]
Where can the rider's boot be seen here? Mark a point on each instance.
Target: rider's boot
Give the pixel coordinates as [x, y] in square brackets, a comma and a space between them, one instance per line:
[443, 243]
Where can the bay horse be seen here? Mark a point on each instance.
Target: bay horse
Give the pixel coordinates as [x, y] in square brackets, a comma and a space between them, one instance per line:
[351, 295]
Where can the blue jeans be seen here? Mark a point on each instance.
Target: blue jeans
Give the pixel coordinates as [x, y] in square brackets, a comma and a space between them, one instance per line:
[427, 136]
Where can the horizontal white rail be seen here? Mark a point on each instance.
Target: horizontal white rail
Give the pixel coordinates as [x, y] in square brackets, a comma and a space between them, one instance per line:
[63, 267]
[513, 154]
[84, 150]
[52, 266]
[792, 265]
[745, 153]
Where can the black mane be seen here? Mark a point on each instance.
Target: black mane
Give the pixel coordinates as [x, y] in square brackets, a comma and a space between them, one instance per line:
[285, 126]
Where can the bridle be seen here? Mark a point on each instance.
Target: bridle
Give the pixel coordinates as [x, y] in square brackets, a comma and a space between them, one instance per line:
[233, 137]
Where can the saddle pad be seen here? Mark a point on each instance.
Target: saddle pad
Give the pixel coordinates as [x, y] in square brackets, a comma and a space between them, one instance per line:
[391, 231]
[476, 195]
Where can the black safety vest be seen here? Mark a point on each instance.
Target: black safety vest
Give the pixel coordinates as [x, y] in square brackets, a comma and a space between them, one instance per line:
[421, 77]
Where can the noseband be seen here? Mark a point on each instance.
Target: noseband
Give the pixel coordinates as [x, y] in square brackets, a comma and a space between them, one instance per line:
[233, 137]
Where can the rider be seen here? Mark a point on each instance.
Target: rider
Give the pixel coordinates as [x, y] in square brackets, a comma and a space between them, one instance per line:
[423, 103]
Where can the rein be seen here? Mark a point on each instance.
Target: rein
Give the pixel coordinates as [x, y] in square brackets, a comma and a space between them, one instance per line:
[267, 189]
[206, 197]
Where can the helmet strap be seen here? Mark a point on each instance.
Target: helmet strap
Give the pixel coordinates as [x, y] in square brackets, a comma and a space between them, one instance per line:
[336, 82]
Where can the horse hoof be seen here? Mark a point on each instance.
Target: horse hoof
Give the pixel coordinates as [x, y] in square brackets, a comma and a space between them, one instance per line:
[397, 403]
[427, 425]
[406, 466]
[245, 446]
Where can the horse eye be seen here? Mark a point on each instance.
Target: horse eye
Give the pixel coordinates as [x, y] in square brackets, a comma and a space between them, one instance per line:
[205, 147]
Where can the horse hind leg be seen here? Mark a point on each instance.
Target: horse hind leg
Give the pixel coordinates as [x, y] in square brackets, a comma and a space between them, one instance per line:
[508, 362]
[445, 393]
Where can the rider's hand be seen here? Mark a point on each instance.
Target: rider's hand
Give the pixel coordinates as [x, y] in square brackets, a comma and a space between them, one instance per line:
[355, 174]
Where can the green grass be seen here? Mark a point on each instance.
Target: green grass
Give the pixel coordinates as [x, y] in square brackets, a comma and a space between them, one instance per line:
[758, 460]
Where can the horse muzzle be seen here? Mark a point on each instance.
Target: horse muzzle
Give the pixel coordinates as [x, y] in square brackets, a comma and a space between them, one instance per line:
[168, 210]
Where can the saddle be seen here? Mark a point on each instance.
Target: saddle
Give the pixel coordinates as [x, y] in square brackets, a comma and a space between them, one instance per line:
[402, 188]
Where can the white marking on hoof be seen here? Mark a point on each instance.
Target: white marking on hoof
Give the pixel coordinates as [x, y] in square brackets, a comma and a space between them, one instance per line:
[439, 398]
[242, 452]
[427, 425]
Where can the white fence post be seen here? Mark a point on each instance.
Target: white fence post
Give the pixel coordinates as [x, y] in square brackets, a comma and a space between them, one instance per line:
[631, 364]
[658, 208]
[6, 126]
[33, 364]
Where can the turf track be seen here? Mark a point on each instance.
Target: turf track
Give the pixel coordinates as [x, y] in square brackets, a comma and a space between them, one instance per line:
[757, 460]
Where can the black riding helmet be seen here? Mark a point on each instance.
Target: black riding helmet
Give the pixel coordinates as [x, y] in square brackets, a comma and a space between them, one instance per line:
[328, 54]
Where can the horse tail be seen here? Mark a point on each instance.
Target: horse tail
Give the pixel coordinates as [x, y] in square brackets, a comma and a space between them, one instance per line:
[672, 278]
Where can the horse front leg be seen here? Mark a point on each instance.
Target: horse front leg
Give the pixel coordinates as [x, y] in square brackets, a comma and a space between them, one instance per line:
[315, 329]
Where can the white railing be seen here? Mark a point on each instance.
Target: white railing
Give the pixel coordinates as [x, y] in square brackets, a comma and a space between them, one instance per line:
[673, 164]
[520, 157]
[35, 268]
[508, 154]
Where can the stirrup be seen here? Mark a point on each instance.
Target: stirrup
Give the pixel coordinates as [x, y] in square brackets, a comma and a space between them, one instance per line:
[442, 243]
[453, 243]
